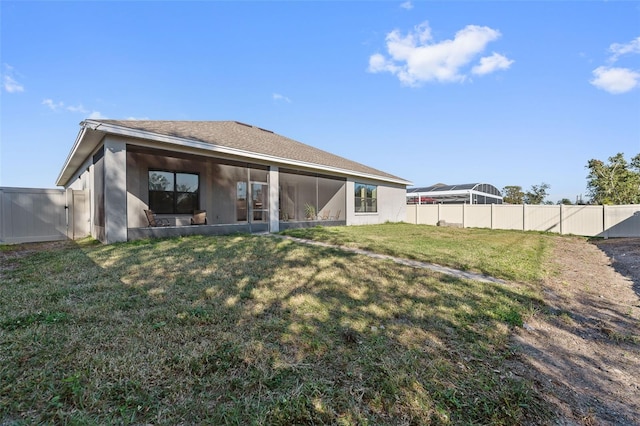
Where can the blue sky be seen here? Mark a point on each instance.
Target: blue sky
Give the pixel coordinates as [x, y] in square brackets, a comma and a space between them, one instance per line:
[508, 93]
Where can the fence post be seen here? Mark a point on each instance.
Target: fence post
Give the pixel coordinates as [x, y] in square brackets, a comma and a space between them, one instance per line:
[524, 216]
[561, 217]
[68, 207]
[464, 210]
[491, 216]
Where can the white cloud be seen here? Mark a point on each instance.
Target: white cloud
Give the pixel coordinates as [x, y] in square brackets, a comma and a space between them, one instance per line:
[615, 80]
[80, 109]
[416, 58]
[618, 79]
[96, 115]
[617, 50]
[9, 83]
[52, 105]
[378, 63]
[407, 5]
[279, 97]
[492, 63]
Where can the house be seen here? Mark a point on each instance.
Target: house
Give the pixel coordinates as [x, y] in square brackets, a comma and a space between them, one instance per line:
[246, 178]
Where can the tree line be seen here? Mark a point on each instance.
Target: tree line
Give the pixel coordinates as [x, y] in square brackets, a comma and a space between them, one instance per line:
[615, 181]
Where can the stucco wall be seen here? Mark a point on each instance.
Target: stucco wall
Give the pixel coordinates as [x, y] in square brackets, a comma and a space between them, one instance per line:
[391, 204]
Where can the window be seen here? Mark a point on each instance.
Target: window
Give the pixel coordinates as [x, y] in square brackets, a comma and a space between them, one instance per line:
[366, 200]
[173, 192]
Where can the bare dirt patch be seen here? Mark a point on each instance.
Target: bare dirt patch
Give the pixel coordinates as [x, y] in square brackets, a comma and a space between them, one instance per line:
[584, 352]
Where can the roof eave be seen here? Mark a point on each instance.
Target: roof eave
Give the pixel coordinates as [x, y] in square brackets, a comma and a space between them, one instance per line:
[63, 179]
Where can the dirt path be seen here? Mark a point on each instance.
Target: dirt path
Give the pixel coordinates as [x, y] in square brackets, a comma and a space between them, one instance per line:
[408, 262]
[584, 353]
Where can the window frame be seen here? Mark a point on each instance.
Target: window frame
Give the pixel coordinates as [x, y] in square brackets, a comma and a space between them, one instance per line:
[369, 202]
[174, 194]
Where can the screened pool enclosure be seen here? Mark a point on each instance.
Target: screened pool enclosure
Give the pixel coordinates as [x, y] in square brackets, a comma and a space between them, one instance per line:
[470, 193]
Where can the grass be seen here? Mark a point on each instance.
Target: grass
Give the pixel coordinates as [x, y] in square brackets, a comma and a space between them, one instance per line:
[510, 255]
[258, 330]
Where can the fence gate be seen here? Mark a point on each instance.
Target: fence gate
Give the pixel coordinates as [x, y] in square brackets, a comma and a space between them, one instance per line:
[35, 215]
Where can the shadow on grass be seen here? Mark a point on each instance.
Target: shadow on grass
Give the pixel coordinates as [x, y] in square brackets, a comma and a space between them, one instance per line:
[253, 330]
[510, 255]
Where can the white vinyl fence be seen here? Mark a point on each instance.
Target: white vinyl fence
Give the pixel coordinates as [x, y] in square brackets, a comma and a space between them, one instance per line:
[35, 215]
[590, 221]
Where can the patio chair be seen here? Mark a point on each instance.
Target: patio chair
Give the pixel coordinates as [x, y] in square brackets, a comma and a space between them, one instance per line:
[324, 215]
[153, 221]
[199, 217]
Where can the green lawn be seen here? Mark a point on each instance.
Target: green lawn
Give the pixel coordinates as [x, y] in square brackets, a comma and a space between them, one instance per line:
[260, 330]
[503, 254]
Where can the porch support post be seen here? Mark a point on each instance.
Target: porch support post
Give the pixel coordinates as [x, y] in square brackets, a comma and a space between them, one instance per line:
[274, 199]
[115, 191]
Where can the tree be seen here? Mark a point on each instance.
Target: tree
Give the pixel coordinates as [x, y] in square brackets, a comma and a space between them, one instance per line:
[158, 182]
[565, 201]
[537, 194]
[615, 182]
[512, 194]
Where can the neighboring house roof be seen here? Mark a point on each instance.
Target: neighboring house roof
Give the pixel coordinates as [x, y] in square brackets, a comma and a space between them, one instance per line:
[228, 137]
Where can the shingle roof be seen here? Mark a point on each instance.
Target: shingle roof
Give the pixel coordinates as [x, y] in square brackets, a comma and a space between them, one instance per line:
[244, 137]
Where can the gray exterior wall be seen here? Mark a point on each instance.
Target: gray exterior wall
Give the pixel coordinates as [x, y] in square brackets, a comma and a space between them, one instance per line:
[97, 199]
[391, 199]
[83, 217]
[115, 190]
